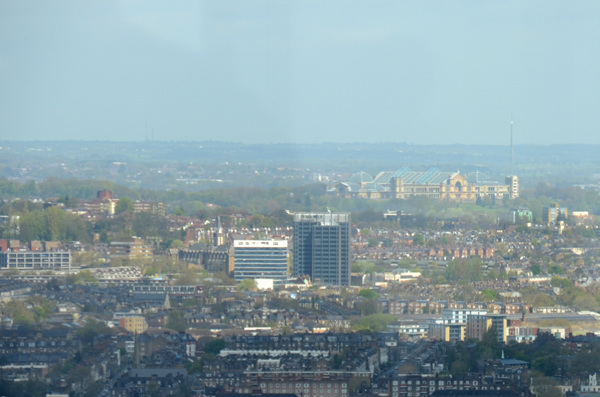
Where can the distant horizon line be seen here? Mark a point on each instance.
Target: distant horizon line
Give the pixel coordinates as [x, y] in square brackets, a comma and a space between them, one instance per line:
[54, 141]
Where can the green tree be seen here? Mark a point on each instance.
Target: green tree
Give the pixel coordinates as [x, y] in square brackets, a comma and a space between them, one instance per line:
[459, 367]
[85, 276]
[368, 293]
[545, 386]
[561, 282]
[87, 258]
[56, 224]
[124, 205]
[367, 217]
[490, 295]
[492, 275]
[92, 329]
[547, 365]
[195, 367]
[463, 270]
[247, 285]
[368, 307]
[19, 313]
[374, 322]
[176, 321]
[214, 346]
[42, 308]
[186, 277]
[586, 302]
[489, 347]
[586, 360]
[145, 224]
[364, 267]
[555, 269]
[52, 224]
[418, 239]
[177, 244]
[533, 296]
[336, 362]
[33, 226]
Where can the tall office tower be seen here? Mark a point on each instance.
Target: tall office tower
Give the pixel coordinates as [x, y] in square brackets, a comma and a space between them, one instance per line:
[322, 247]
[261, 259]
[513, 186]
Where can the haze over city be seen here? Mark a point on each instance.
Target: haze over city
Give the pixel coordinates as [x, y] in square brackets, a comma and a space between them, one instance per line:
[299, 198]
[301, 72]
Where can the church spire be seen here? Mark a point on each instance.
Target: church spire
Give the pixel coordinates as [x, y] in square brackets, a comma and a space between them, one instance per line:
[219, 235]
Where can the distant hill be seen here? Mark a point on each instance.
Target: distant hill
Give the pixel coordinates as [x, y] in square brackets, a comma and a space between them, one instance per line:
[214, 162]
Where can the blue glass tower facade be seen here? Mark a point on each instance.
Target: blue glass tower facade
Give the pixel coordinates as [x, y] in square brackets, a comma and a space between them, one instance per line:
[322, 247]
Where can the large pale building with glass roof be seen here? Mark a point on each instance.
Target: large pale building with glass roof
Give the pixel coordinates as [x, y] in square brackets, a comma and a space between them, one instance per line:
[434, 184]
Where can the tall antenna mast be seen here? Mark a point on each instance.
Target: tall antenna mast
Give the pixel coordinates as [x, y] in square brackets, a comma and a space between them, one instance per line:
[512, 159]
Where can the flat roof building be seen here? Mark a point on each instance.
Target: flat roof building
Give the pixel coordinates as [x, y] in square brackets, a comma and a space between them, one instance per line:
[322, 247]
[35, 260]
[260, 259]
[553, 214]
[130, 248]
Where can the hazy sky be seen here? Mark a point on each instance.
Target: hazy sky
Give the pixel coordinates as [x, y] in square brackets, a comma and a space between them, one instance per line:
[423, 72]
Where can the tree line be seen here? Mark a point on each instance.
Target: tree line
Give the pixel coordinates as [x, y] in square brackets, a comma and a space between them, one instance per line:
[266, 207]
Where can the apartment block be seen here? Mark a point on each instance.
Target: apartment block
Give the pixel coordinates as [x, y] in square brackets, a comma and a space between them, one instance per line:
[134, 324]
[132, 248]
